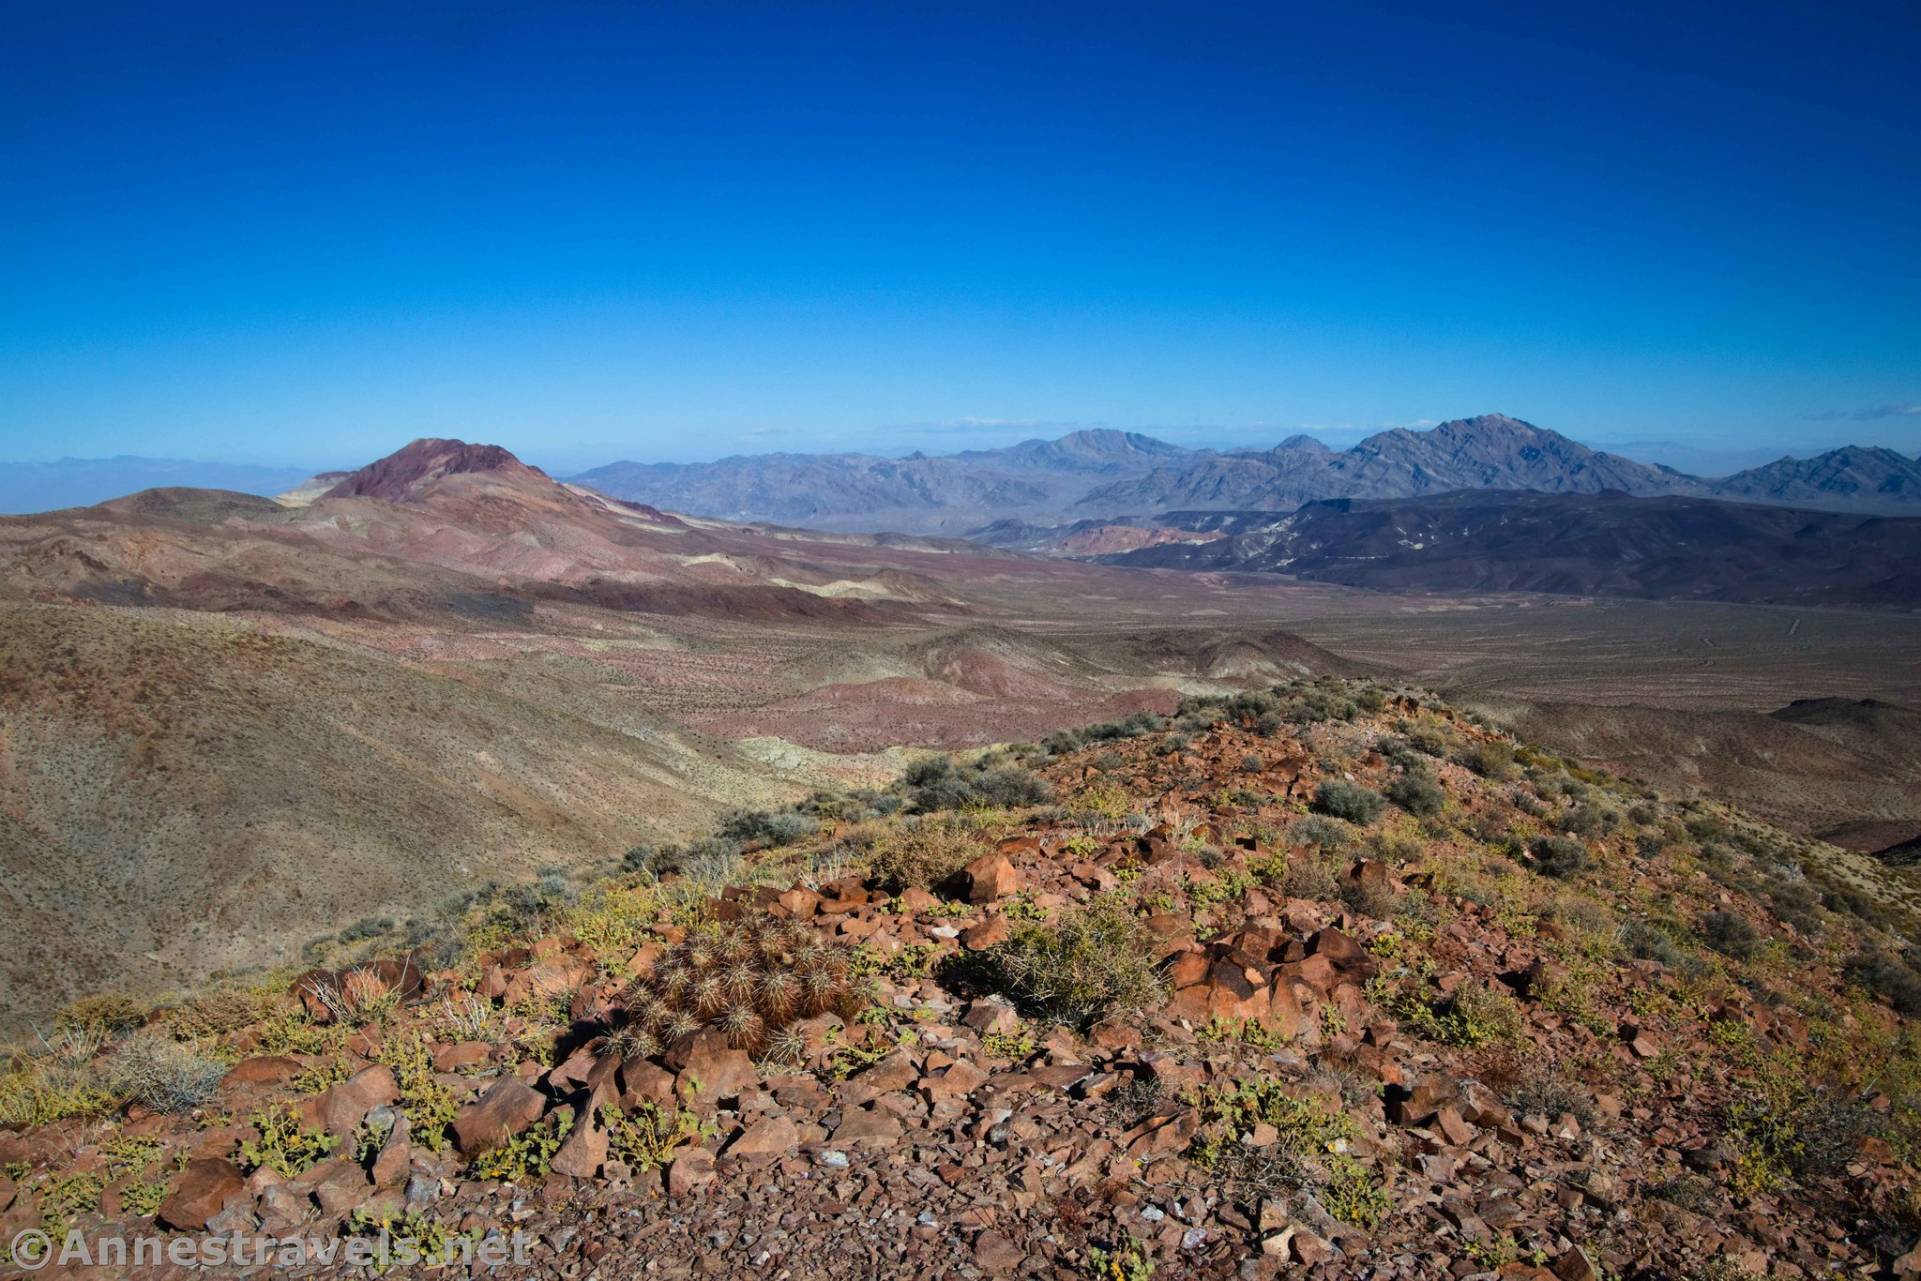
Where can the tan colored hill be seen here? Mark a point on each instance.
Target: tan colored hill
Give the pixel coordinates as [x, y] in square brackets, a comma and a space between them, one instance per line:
[228, 727]
[184, 795]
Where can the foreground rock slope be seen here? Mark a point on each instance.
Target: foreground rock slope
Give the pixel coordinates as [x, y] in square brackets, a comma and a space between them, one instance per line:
[1331, 981]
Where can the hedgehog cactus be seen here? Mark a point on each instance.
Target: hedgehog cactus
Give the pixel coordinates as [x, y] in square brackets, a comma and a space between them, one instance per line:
[751, 980]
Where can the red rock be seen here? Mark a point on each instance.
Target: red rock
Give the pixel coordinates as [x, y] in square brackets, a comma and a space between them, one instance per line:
[988, 933]
[1227, 993]
[770, 1136]
[340, 1187]
[1575, 1265]
[509, 1107]
[644, 1081]
[914, 900]
[464, 1055]
[996, 1255]
[1370, 874]
[1452, 1127]
[1309, 1250]
[691, 1170]
[266, 1069]
[990, 877]
[1341, 951]
[988, 1016]
[954, 1081]
[545, 980]
[199, 1192]
[339, 1109]
[709, 1069]
[868, 1129]
[799, 903]
[395, 1158]
[584, 1150]
[1429, 1095]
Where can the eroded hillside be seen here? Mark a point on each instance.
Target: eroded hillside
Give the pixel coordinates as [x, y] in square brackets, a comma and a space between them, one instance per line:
[1330, 981]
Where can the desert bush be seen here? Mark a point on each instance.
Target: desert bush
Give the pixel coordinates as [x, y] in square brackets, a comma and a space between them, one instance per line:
[56, 1084]
[1349, 801]
[1491, 760]
[526, 1157]
[1730, 935]
[1559, 856]
[1324, 834]
[1649, 942]
[1422, 737]
[1313, 705]
[924, 853]
[1308, 1152]
[1317, 876]
[160, 1073]
[1888, 977]
[1091, 963]
[1589, 820]
[745, 826]
[1472, 1016]
[1480, 1016]
[1418, 794]
[751, 979]
[1376, 901]
[938, 783]
[107, 1014]
[1549, 1096]
[217, 1012]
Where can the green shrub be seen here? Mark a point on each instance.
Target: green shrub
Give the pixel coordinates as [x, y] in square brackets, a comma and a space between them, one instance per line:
[106, 1015]
[1730, 935]
[1349, 801]
[1559, 856]
[783, 828]
[1092, 963]
[1491, 760]
[1417, 794]
[939, 783]
[1888, 977]
[1324, 834]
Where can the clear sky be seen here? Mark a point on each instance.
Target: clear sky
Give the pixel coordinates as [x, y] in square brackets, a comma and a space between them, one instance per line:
[292, 233]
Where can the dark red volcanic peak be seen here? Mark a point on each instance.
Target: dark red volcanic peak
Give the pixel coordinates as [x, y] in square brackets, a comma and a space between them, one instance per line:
[399, 475]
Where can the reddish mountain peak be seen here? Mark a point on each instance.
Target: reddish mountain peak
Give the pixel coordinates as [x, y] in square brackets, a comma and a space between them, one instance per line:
[401, 474]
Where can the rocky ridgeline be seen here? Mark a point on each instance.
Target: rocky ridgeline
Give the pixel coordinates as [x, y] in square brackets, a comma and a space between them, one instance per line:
[1335, 983]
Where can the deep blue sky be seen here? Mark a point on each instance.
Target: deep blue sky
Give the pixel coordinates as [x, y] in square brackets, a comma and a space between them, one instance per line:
[291, 233]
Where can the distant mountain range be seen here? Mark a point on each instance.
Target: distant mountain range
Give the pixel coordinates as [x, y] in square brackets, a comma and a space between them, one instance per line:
[1610, 544]
[1095, 475]
[79, 482]
[1123, 476]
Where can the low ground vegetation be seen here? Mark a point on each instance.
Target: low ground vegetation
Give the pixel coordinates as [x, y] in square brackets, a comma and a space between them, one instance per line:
[1321, 974]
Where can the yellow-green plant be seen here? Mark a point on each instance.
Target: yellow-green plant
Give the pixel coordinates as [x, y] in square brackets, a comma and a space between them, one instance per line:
[429, 1105]
[647, 1137]
[283, 1145]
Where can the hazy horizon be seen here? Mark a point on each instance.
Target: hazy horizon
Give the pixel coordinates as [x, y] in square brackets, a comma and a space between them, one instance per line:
[1706, 461]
